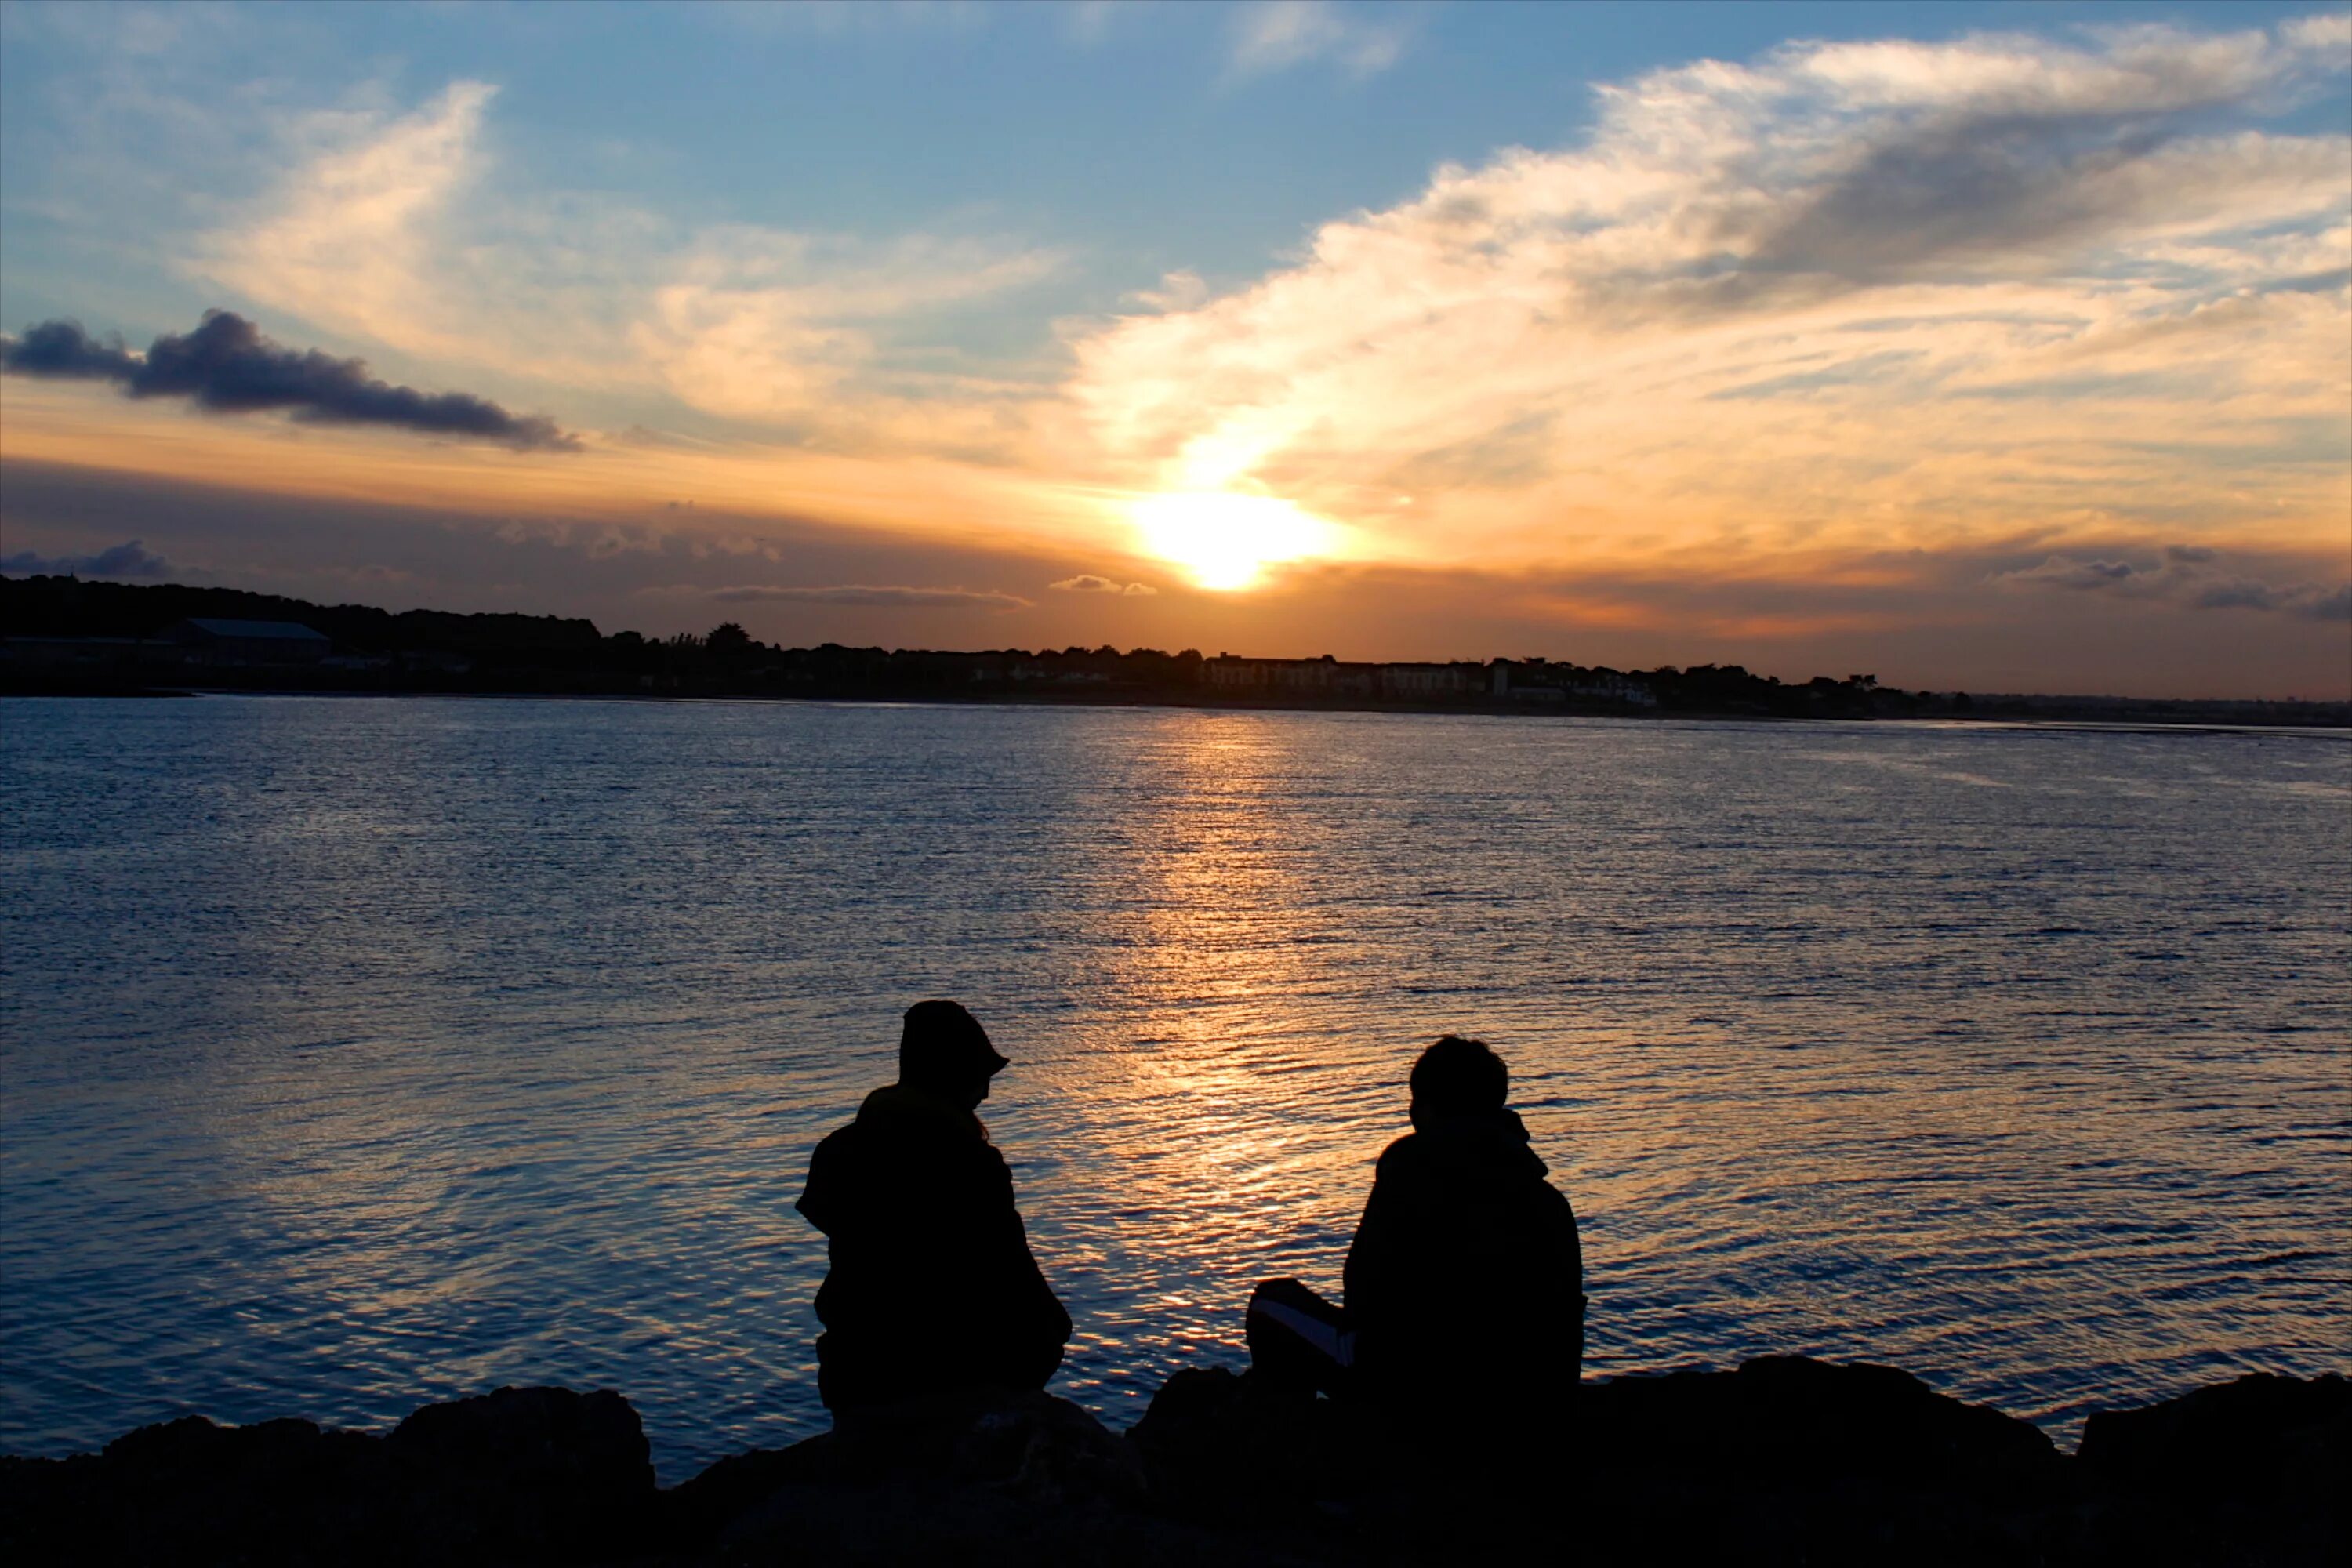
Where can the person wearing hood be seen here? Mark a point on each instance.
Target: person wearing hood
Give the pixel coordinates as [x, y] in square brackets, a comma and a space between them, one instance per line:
[1464, 1284]
[1465, 1280]
[932, 1288]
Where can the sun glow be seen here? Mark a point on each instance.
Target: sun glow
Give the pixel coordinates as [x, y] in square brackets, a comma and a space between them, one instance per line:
[1225, 540]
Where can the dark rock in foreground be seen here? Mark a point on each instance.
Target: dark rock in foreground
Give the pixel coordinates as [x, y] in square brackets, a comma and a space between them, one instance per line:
[524, 1475]
[1785, 1461]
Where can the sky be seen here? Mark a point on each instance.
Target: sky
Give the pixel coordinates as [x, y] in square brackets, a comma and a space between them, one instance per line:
[1993, 348]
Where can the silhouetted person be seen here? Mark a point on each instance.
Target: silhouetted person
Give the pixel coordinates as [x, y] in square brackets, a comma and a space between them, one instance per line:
[932, 1288]
[1465, 1280]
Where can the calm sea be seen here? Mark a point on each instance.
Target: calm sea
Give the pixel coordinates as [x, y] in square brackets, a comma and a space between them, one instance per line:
[359, 1053]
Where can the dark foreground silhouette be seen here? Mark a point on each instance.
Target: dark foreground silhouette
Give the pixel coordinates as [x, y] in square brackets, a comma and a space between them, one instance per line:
[1459, 1432]
[1783, 1462]
[1464, 1281]
[932, 1290]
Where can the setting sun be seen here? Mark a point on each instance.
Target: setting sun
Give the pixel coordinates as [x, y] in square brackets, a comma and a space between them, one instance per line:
[1227, 541]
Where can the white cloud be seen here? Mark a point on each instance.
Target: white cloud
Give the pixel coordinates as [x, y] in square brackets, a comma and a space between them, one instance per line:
[393, 229]
[752, 322]
[348, 241]
[1276, 35]
[2329, 31]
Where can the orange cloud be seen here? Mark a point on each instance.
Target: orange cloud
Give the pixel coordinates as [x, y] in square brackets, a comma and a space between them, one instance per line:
[1847, 297]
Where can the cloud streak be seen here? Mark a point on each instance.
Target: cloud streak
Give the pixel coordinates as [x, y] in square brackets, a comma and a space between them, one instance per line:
[1088, 583]
[874, 598]
[127, 560]
[2187, 576]
[228, 366]
[1276, 35]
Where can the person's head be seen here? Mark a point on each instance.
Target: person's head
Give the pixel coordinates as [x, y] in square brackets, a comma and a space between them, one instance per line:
[1456, 1078]
[943, 1050]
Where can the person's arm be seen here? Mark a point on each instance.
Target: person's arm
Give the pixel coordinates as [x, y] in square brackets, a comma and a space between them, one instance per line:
[1573, 1282]
[1033, 1327]
[820, 1202]
[1368, 1281]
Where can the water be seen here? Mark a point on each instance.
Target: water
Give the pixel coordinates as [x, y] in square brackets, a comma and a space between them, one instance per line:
[359, 1053]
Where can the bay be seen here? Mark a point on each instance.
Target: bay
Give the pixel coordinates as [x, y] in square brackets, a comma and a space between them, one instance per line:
[356, 1053]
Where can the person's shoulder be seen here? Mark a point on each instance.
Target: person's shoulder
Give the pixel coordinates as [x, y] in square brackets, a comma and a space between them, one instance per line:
[1400, 1157]
[836, 1148]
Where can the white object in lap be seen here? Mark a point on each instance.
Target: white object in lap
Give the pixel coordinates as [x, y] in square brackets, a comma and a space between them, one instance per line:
[1328, 1341]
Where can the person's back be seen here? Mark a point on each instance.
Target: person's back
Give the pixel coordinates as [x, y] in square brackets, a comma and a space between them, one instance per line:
[1465, 1283]
[932, 1288]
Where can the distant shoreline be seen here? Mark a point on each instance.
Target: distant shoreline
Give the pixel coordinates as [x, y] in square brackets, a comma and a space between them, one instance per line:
[60, 635]
[2046, 713]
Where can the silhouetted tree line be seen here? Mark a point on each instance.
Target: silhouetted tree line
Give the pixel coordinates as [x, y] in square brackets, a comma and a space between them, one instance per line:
[437, 650]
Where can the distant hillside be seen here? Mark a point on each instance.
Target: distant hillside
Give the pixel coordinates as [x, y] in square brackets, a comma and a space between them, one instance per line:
[69, 607]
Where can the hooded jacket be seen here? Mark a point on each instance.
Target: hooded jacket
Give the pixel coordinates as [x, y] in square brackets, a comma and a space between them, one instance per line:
[1465, 1280]
[932, 1287]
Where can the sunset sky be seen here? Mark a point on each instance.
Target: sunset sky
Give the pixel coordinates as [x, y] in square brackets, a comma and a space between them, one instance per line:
[2000, 348]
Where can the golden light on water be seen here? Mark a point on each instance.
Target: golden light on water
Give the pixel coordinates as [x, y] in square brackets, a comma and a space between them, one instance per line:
[1227, 540]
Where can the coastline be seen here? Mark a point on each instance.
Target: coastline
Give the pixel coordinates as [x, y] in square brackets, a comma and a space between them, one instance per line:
[2112, 716]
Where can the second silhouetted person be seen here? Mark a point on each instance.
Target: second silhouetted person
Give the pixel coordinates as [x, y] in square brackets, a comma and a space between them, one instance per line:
[1465, 1280]
[932, 1287]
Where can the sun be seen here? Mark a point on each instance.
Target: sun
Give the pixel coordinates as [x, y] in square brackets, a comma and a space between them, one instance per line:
[1227, 541]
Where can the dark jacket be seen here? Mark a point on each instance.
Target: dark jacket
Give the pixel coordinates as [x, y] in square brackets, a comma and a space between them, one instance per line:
[1465, 1282]
[932, 1288]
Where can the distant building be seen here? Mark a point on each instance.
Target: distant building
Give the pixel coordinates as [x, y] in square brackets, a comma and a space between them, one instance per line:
[436, 661]
[1609, 686]
[72, 653]
[1541, 681]
[1327, 677]
[1225, 670]
[208, 641]
[1426, 680]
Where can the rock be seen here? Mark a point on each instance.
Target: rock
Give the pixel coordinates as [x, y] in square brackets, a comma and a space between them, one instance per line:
[520, 1476]
[1784, 1460]
[525, 1474]
[2248, 1471]
[1030, 1478]
[281, 1492]
[1791, 1419]
[2256, 1435]
[1223, 1447]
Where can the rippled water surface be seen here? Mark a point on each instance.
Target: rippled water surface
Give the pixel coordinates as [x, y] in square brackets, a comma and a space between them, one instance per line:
[363, 1052]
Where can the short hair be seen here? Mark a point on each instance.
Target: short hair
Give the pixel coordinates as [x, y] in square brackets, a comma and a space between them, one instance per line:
[1460, 1077]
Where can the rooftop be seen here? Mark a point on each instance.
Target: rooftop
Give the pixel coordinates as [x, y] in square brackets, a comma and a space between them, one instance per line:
[292, 630]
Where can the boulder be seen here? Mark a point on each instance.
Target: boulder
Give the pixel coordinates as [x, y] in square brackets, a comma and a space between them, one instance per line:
[1028, 1479]
[524, 1474]
[2250, 1472]
[1226, 1447]
[1784, 1460]
[1791, 1419]
[191, 1490]
[2256, 1436]
[521, 1476]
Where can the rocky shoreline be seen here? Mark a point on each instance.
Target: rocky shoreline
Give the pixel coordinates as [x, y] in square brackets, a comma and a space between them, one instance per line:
[1783, 1460]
